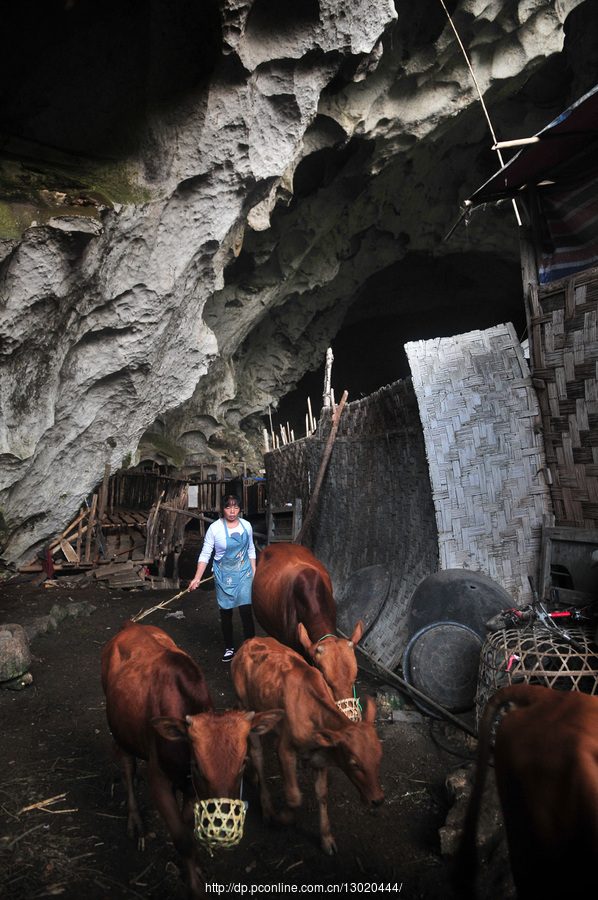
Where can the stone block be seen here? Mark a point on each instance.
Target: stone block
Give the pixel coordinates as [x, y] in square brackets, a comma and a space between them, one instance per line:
[15, 657]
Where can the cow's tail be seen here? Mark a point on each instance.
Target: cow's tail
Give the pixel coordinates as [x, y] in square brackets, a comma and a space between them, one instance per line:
[465, 862]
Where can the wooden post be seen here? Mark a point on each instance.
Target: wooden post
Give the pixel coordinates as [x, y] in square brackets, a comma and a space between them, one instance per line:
[327, 377]
[90, 525]
[323, 465]
[271, 428]
[102, 508]
[80, 534]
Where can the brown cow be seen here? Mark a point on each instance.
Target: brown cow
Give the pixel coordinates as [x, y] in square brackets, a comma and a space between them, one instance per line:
[546, 760]
[293, 602]
[267, 675]
[159, 709]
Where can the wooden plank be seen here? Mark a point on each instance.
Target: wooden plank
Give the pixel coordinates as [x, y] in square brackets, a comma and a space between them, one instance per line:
[69, 552]
[106, 571]
[69, 529]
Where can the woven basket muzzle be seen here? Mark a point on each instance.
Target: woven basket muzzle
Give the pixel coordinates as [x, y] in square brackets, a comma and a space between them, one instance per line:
[351, 708]
[219, 821]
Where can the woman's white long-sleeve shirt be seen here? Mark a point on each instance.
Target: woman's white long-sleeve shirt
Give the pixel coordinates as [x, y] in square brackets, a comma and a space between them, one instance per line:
[215, 539]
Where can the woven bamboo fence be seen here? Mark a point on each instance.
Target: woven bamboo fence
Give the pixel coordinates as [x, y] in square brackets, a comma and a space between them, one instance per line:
[375, 505]
[480, 418]
[564, 340]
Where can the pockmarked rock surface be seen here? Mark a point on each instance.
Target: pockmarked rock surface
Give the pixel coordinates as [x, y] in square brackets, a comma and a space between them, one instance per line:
[183, 249]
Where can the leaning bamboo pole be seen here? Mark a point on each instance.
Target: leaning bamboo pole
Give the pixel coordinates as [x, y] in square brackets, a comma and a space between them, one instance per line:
[323, 465]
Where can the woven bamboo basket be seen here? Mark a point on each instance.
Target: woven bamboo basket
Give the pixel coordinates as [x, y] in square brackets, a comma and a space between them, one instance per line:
[536, 655]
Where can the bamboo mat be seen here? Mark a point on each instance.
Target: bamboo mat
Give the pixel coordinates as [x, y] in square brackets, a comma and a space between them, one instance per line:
[564, 331]
[480, 418]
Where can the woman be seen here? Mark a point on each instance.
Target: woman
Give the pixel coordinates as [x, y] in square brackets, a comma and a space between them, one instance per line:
[230, 539]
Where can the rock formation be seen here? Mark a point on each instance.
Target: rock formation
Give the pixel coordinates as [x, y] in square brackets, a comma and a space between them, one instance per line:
[196, 200]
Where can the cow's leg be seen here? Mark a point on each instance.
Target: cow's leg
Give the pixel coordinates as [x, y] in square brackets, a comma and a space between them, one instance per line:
[134, 821]
[181, 834]
[256, 756]
[288, 763]
[321, 786]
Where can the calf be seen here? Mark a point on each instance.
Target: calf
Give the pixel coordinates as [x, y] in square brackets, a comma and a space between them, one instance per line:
[293, 602]
[267, 675]
[546, 760]
[159, 709]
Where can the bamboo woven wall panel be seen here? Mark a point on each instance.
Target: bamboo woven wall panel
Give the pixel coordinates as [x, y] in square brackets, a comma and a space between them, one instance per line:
[479, 410]
[375, 505]
[565, 366]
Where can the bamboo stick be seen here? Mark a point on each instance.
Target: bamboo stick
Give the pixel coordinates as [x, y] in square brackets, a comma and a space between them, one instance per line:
[142, 615]
[41, 803]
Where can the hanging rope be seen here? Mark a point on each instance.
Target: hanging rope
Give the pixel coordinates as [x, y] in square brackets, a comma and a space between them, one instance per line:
[479, 92]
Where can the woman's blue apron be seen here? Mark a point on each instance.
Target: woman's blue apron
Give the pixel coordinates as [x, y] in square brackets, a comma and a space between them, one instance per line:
[232, 572]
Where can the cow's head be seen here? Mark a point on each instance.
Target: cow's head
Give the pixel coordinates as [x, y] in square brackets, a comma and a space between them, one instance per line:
[217, 744]
[335, 658]
[356, 750]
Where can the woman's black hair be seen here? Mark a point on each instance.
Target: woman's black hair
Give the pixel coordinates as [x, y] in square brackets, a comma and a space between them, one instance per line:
[226, 501]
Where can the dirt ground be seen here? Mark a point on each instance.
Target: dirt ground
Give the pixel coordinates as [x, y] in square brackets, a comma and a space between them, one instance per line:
[55, 744]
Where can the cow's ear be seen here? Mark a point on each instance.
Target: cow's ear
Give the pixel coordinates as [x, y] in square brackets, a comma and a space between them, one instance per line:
[171, 728]
[304, 638]
[264, 721]
[356, 636]
[369, 713]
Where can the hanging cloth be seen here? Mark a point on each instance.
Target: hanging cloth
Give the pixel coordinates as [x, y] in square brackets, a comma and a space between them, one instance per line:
[232, 572]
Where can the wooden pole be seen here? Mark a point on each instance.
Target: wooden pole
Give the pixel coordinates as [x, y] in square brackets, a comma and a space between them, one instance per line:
[103, 497]
[323, 465]
[90, 526]
[413, 691]
[327, 377]
[271, 427]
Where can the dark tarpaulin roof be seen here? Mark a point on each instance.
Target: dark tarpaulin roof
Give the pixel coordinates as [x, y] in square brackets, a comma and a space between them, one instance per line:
[573, 131]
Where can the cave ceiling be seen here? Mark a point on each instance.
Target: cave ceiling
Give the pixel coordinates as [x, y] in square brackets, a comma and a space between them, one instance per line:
[197, 199]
